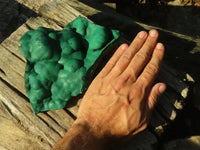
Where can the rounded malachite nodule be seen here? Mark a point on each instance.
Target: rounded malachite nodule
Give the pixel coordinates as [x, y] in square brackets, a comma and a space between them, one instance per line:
[58, 61]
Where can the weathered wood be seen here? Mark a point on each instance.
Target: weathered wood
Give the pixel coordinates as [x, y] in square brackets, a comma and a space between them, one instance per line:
[167, 76]
[59, 11]
[20, 109]
[12, 61]
[34, 23]
[10, 130]
[62, 118]
[51, 126]
[192, 143]
[145, 140]
[33, 4]
[12, 43]
[9, 71]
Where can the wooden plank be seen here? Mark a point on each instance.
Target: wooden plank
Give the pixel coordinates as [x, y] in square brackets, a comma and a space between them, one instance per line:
[12, 42]
[59, 11]
[10, 131]
[20, 109]
[142, 141]
[12, 61]
[8, 72]
[62, 118]
[167, 76]
[166, 108]
[186, 143]
[34, 23]
[33, 4]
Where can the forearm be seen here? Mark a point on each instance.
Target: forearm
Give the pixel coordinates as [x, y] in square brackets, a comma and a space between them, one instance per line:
[79, 137]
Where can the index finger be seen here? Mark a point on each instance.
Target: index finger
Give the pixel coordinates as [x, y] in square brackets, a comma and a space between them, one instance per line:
[151, 70]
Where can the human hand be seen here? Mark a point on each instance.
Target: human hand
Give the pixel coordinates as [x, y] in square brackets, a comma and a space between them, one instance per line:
[120, 100]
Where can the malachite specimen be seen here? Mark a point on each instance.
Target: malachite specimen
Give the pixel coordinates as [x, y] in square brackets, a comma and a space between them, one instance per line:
[58, 62]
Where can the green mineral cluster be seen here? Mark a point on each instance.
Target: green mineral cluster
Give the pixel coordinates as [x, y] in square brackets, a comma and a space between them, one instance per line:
[58, 62]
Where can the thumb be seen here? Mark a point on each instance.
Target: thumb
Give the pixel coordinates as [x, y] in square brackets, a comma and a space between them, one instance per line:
[156, 91]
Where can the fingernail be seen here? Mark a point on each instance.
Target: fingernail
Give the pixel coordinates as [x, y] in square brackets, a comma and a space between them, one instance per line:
[124, 46]
[153, 33]
[142, 34]
[159, 46]
[162, 88]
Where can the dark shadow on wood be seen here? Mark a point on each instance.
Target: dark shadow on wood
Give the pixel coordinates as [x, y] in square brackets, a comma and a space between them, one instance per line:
[178, 49]
[12, 15]
[178, 56]
[74, 100]
[180, 19]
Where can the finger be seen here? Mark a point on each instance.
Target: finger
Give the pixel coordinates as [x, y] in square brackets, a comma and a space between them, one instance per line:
[125, 59]
[156, 91]
[111, 63]
[149, 73]
[142, 56]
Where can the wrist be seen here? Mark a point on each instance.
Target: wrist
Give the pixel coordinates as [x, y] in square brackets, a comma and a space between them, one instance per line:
[93, 135]
[87, 137]
[80, 137]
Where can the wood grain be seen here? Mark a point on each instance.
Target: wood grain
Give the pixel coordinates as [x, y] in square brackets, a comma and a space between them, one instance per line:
[47, 128]
[14, 136]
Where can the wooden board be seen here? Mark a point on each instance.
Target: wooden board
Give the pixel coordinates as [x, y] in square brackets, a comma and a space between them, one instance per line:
[33, 4]
[11, 130]
[47, 128]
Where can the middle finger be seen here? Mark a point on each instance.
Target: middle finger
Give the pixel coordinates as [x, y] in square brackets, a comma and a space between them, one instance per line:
[126, 58]
[141, 57]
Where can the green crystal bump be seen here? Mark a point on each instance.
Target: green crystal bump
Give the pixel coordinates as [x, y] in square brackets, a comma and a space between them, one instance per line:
[58, 62]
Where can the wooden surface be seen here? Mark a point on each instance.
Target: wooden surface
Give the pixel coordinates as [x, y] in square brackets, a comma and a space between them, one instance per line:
[21, 129]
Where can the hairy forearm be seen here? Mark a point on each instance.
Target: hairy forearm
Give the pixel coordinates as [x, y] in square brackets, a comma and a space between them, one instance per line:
[79, 137]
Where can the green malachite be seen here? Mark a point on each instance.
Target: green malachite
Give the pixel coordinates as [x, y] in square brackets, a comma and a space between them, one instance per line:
[58, 62]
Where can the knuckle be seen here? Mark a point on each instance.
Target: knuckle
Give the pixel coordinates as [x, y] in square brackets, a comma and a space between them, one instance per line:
[132, 75]
[149, 45]
[117, 69]
[141, 57]
[110, 64]
[152, 68]
[126, 57]
[137, 92]
[145, 79]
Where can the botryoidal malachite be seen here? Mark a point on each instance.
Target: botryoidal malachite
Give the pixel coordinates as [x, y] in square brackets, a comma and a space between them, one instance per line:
[58, 61]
